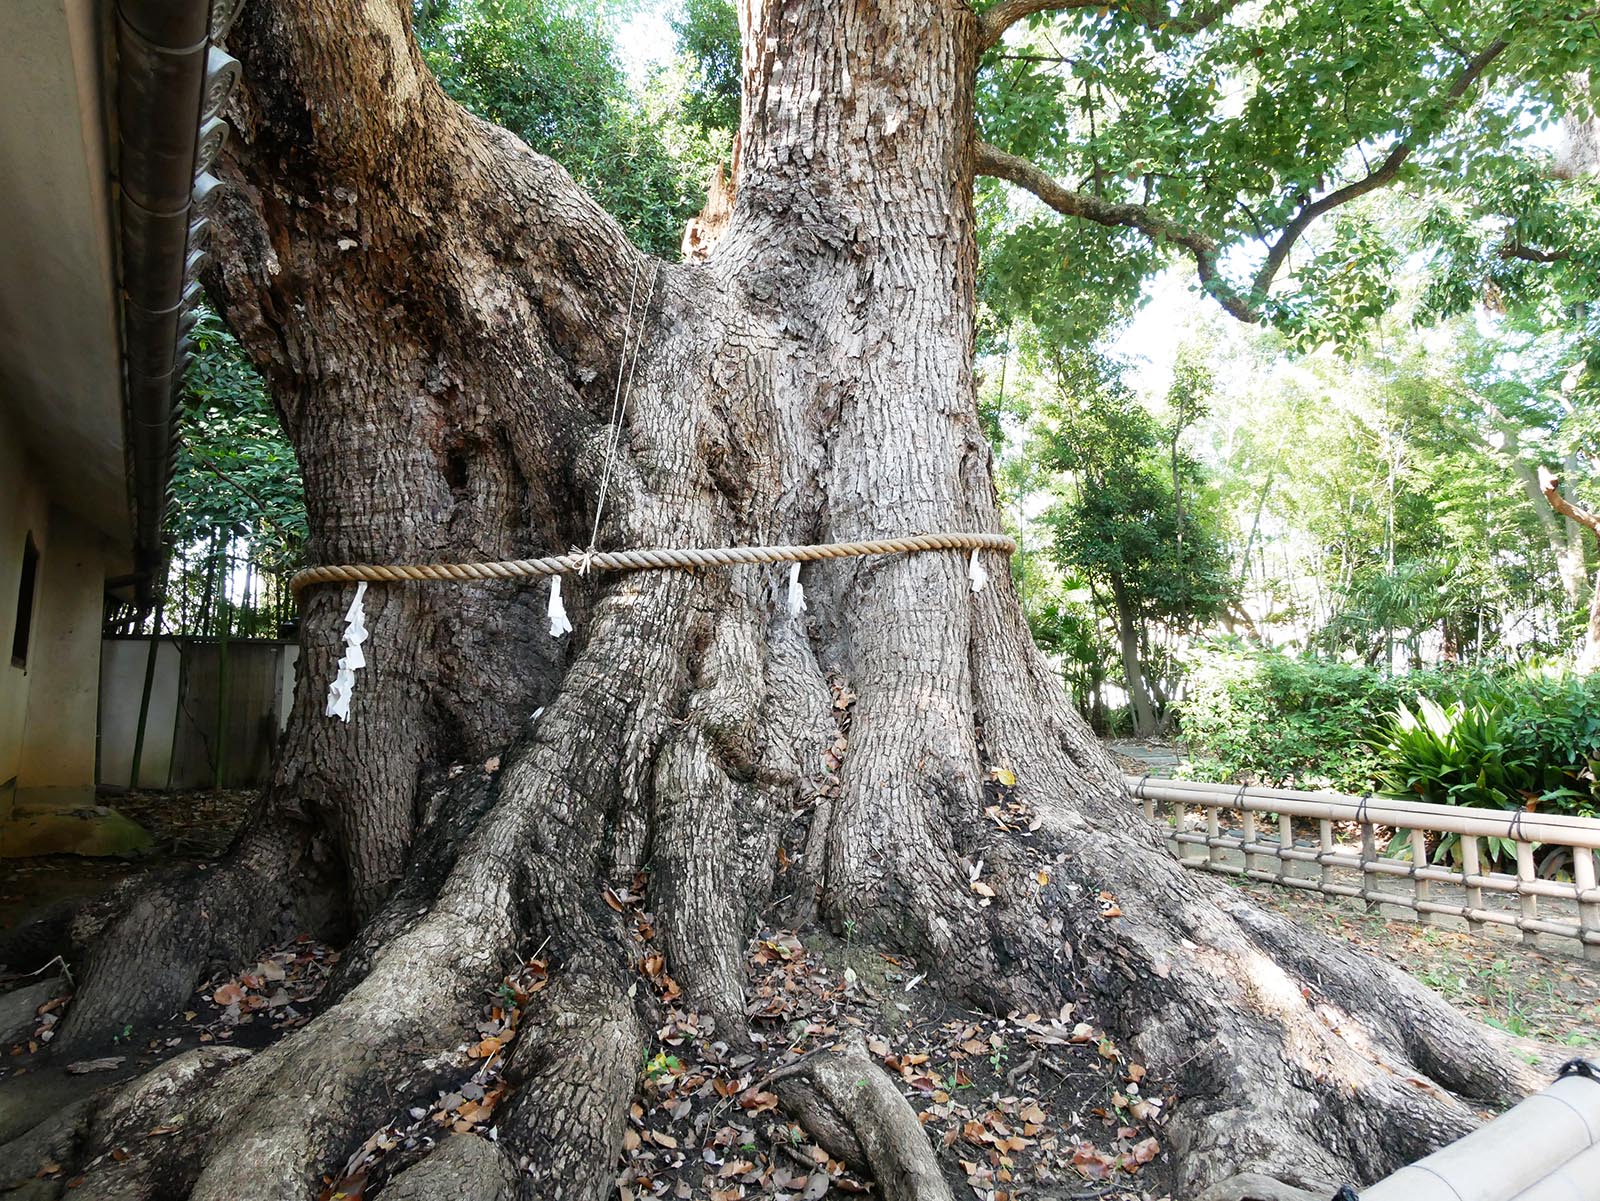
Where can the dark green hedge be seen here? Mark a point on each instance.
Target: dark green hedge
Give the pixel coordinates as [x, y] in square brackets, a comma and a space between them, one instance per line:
[1469, 737]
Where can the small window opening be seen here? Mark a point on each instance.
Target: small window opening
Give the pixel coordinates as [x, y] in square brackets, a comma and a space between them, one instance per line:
[26, 586]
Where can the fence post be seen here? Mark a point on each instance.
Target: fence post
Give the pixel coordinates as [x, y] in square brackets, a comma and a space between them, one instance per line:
[1285, 843]
[1247, 839]
[1583, 876]
[1369, 855]
[1471, 868]
[1421, 890]
[1530, 901]
[1325, 852]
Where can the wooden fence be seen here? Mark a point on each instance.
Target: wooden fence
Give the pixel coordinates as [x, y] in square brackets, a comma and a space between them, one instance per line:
[211, 717]
[1329, 843]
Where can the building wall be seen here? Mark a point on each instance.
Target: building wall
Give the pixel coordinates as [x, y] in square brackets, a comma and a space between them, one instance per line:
[58, 738]
[24, 510]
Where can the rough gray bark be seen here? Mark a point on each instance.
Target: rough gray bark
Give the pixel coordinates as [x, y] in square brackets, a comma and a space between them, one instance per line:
[440, 311]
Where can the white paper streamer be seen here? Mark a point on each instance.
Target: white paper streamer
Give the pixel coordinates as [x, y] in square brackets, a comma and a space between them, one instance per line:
[976, 572]
[353, 659]
[559, 624]
[797, 594]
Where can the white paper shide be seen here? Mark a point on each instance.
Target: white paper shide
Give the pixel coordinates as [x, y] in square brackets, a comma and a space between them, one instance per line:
[797, 592]
[353, 659]
[976, 572]
[559, 624]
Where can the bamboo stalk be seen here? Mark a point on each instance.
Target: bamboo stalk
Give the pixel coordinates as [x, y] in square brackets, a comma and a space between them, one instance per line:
[151, 655]
[1415, 818]
[1444, 819]
[1518, 1150]
[1497, 882]
[1406, 901]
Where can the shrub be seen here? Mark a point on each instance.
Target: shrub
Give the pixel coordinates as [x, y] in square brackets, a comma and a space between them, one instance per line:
[1261, 716]
[1506, 740]
[1525, 740]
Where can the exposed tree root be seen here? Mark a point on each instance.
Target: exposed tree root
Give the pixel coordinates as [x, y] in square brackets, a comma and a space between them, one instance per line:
[1293, 1059]
[463, 1169]
[859, 1095]
[576, 1068]
[143, 962]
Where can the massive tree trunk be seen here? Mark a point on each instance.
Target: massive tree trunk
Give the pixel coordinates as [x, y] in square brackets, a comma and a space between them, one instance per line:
[441, 314]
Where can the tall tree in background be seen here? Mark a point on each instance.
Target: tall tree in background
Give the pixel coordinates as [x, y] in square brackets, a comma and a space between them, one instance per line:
[1589, 656]
[1124, 526]
[440, 312]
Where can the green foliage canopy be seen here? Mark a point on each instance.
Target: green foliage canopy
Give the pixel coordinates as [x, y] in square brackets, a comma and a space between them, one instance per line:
[1122, 525]
[548, 72]
[235, 474]
[1245, 138]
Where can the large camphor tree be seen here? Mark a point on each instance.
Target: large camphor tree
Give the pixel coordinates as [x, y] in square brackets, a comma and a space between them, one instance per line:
[442, 314]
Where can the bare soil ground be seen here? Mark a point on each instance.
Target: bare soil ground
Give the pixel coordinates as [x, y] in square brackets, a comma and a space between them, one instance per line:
[1028, 1105]
[188, 827]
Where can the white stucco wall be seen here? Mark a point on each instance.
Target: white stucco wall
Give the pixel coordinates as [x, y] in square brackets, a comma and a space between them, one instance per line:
[122, 667]
[23, 510]
[64, 663]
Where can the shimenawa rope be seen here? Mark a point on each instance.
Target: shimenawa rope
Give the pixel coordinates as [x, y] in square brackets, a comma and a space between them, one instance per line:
[660, 558]
[583, 562]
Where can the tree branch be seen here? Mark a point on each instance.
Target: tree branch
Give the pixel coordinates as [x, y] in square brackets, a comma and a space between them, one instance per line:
[1246, 306]
[1159, 229]
[1550, 485]
[338, 103]
[1381, 176]
[994, 23]
[1510, 249]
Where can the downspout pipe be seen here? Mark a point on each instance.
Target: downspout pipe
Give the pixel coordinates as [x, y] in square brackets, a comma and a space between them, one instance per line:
[172, 80]
[1547, 1148]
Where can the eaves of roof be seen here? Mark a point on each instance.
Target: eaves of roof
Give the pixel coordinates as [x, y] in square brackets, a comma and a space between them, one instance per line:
[171, 80]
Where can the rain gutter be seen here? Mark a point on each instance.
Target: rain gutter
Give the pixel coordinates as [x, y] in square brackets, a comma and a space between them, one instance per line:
[172, 79]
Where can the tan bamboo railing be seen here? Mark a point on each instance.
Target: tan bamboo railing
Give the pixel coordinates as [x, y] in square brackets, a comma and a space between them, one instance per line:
[1268, 854]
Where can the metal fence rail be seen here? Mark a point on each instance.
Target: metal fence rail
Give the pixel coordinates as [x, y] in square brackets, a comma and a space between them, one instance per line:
[1263, 845]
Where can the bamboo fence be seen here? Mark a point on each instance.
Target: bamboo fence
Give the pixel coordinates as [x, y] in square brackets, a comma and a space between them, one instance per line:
[1264, 846]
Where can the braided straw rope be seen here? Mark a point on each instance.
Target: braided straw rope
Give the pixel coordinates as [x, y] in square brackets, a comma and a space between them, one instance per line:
[665, 558]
